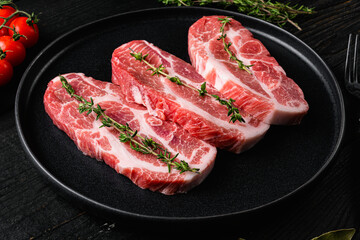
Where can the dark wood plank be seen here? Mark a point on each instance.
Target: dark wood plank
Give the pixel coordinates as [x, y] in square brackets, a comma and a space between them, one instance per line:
[31, 209]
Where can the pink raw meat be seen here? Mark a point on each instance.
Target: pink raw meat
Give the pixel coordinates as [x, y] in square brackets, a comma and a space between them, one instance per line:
[268, 94]
[202, 117]
[103, 144]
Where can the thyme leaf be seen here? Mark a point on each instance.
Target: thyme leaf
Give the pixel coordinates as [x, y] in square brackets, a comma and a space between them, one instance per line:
[202, 90]
[138, 56]
[233, 111]
[137, 142]
[175, 80]
[157, 70]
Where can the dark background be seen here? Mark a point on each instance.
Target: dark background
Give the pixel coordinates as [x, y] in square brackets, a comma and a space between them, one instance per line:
[30, 208]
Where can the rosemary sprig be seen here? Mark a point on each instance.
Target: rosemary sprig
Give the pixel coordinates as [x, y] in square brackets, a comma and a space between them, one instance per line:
[138, 143]
[241, 65]
[233, 112]
[268, 10]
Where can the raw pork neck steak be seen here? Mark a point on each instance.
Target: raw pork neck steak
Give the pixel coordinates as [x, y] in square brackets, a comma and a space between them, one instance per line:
[203, 117]
[103, 143]
[267, 94]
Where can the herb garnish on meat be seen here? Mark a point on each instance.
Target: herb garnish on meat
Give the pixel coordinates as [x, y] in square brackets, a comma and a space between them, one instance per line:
[241, 65]
[138, 143]
[233, 112]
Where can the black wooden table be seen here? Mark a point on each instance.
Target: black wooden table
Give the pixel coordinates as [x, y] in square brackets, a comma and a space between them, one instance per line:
[31, 209]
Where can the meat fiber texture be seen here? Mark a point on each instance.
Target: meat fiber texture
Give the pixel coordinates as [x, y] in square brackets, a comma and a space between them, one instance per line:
[103, 143]
[202, 116]
[267, 94]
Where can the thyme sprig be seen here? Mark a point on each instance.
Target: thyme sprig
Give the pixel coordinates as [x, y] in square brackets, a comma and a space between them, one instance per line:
[268, 10]
[137, 142]
[233, 112]
[241, 65]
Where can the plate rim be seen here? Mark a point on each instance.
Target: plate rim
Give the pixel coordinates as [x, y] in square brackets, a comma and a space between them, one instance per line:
[111, 210]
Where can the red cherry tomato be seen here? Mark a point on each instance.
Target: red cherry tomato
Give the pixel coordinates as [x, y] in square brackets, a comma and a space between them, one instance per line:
[15, 50]
[5, 12]
[30, 31]
[6, 72]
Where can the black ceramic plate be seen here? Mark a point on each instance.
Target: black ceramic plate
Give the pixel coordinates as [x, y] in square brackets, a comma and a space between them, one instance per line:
[286, 160]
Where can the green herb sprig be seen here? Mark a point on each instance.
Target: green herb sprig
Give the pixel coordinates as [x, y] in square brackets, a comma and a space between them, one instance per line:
[137, 142]
[241, 65]
[233, 112]
[268, 10]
